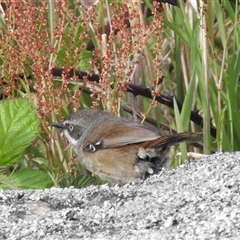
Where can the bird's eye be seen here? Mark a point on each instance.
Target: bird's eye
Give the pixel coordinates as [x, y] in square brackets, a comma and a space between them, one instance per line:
[70, 127]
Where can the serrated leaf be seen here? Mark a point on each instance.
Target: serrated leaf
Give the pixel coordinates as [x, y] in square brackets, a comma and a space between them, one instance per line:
[19, 125]
[32, 179]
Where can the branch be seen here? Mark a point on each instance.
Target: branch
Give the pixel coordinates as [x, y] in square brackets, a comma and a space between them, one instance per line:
[137, 90]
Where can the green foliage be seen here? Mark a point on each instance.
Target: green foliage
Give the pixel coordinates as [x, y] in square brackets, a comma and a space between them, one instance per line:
[19, 125]
[6, 182]
[31, 179]
[210, 59]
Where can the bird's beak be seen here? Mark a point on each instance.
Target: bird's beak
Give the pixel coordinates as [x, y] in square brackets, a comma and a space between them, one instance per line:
[58, 125]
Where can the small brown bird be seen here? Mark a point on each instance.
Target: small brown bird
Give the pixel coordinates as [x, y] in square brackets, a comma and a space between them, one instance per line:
[117, 149]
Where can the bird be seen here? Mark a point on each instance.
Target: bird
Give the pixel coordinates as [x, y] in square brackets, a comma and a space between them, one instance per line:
[116, 149]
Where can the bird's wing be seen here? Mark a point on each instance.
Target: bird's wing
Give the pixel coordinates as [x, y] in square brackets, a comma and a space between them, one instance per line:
[121, 134]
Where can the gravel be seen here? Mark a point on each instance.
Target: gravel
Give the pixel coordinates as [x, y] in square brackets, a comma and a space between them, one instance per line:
[199, 200]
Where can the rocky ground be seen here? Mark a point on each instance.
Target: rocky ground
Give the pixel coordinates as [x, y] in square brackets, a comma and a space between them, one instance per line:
[199, 200]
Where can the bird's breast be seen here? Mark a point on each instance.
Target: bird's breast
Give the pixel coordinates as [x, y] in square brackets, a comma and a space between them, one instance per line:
[115, 165]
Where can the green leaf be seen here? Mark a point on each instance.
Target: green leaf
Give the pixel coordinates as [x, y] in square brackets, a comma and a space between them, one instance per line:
[85, 59]
[179, 123]
[19, 125]
[32, 179]
[6, 182]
